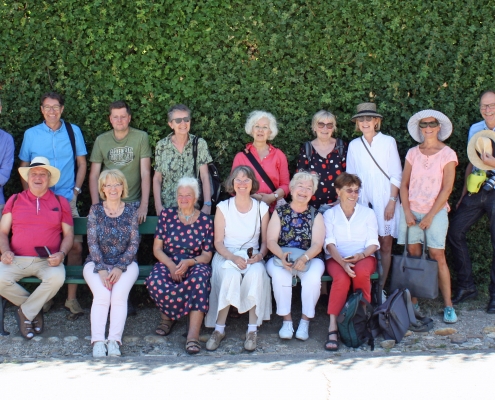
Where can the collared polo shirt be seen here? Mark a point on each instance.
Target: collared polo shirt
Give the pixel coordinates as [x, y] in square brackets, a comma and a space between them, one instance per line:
[42, 141]
[37, 221]
[6, 160]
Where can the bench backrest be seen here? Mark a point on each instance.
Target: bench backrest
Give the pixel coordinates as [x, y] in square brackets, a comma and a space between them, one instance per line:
[146, 228]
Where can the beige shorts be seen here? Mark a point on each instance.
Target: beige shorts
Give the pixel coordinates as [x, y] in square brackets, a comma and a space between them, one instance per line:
[75, 213]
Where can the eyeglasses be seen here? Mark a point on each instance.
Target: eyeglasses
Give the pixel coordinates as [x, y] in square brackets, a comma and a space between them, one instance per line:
[431, 124]
[119, 117]
[487, 106]
[113, 186]
[321, 125]
[239, 181]
[54, 108]
[262, 128]
[349, 191]
[179, 120]
[365, 118]
[306, 188]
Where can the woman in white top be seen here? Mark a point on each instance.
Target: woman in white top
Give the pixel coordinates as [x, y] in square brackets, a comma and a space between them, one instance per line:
[378, 191]
[239, 275]
[351, 239]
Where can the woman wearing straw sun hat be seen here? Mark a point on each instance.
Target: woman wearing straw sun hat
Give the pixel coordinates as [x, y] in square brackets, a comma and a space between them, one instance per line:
[375, 159]
[427, 181]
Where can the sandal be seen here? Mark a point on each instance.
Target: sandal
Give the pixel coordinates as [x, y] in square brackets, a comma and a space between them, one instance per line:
[331, 341]
[193, 346]
[38, 323]
[165, 327]
[25, 325]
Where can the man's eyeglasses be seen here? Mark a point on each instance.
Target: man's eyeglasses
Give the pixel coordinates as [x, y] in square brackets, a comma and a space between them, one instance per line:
[487, 106]
[431, 124]
[366, 118]
[321, 125]
[179, 120]
[54, 108]
[113, 186]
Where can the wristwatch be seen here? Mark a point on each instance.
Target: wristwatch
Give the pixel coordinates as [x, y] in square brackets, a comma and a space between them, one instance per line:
[78, 190]
[207, 203]
[276, 195]
[394, 199]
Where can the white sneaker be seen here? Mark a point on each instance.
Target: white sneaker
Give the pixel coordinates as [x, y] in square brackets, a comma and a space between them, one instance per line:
[99, 349]
[113, 348]
[286, 331]
[302, 331]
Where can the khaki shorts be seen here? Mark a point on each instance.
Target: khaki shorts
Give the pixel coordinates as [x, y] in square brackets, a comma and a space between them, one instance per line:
[75, 213]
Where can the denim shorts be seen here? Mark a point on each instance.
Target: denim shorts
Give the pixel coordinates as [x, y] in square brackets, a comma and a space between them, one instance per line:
[435, 234]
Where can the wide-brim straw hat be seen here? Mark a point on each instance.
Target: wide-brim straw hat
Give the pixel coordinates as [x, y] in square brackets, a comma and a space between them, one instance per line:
[41, 162]
[366, 109]
[415, 130]
[481, 142]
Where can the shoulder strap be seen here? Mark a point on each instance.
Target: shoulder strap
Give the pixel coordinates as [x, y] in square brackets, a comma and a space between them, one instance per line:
[308, 149]
[72, 139]
[410, 311]
[195, 154]
[340, 146]
[259, 168]
[373, 158]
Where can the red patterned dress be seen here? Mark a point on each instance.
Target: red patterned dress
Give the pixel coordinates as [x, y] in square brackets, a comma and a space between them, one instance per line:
[180, 241]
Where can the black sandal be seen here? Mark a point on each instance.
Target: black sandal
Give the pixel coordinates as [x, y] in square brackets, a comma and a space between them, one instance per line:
[331, 341]
[165, 327]
[193, 346]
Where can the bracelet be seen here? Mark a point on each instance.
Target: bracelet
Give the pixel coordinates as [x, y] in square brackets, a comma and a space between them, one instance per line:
[195, 261]
[305, 255]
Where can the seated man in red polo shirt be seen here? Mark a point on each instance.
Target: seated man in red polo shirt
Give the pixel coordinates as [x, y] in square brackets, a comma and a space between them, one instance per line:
[37, 219]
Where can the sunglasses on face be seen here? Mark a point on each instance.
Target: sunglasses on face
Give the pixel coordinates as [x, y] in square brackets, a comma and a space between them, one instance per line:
[366, 118]
[321, 125]
[179, 120]
[432, 124]
[349, 191]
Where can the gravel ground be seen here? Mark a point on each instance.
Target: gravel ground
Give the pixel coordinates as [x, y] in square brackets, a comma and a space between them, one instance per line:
[66, 339]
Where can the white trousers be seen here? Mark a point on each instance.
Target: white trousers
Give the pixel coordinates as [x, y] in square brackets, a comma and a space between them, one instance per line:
[310, 286]
[115, 299]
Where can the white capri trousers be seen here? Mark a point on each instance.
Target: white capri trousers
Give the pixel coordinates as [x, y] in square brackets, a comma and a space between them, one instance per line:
[115, 299]
[310, 286]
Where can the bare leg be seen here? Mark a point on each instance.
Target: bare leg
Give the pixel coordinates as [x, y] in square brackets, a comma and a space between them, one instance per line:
[253, 320]
[332, 327]
[443, 274]
[222, 316]
[195, 321]
[386, 254]
[415, 250]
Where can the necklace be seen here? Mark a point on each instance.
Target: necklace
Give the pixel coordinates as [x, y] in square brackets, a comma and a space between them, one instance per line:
[186, 217]
[111, 212]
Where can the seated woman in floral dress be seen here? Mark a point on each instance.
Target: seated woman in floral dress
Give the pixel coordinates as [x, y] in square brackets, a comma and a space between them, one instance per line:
[179, 283]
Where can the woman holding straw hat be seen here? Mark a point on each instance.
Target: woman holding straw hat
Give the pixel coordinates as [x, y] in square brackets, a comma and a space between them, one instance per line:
[375, 159]
[427, 181]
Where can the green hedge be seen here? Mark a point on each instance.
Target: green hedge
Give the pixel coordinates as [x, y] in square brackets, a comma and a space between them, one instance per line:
[226, 58]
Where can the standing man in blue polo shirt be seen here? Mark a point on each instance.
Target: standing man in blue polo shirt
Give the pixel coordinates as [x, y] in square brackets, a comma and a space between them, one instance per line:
[51, 139]
[6, 161]
[469, 210]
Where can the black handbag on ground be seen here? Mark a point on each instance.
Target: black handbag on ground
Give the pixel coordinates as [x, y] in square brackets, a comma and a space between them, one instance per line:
[418, 274]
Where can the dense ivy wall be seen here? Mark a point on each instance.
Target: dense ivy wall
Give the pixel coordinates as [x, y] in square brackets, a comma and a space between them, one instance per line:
[225, 58]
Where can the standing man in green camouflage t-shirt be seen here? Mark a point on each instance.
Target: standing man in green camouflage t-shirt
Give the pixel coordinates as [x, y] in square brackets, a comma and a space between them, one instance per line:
[128, 150]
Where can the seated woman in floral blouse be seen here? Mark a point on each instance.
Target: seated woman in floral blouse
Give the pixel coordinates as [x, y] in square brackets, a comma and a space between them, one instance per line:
[110, 270]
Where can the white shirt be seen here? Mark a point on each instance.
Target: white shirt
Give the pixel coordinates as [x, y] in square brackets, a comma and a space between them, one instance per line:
[350, 236]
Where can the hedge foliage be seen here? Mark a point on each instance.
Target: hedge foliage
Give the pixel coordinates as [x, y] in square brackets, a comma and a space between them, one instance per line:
[225, 58]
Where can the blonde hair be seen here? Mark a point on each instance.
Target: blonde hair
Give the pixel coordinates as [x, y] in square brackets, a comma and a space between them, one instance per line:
[323, 114]
[377, 125]
[117, 176]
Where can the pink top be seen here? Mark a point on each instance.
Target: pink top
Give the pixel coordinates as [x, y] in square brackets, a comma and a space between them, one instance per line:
[274, 164]
[427, 177]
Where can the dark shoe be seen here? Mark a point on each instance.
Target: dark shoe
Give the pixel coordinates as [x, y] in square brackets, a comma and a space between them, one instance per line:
[491, 306]
[464, 294]
[38, 323]
[131, 310]
[25, 325]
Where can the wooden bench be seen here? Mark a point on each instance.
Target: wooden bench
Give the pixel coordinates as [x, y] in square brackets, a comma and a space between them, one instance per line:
[74, 273]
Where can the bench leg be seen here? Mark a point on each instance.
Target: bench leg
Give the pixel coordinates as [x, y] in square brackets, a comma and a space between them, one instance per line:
[3, 304]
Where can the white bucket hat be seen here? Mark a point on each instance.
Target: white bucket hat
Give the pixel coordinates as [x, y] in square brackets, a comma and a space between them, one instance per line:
[415, 130]
[41, 162]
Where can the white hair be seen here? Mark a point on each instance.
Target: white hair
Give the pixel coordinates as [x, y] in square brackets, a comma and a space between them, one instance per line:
[255, 116]
[189, 182]
[304, 176]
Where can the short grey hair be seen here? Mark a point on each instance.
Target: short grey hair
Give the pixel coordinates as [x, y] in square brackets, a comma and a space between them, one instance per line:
[177, 107]
[255, 116]
[323, 114]
[189, 182]
[304, 176]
